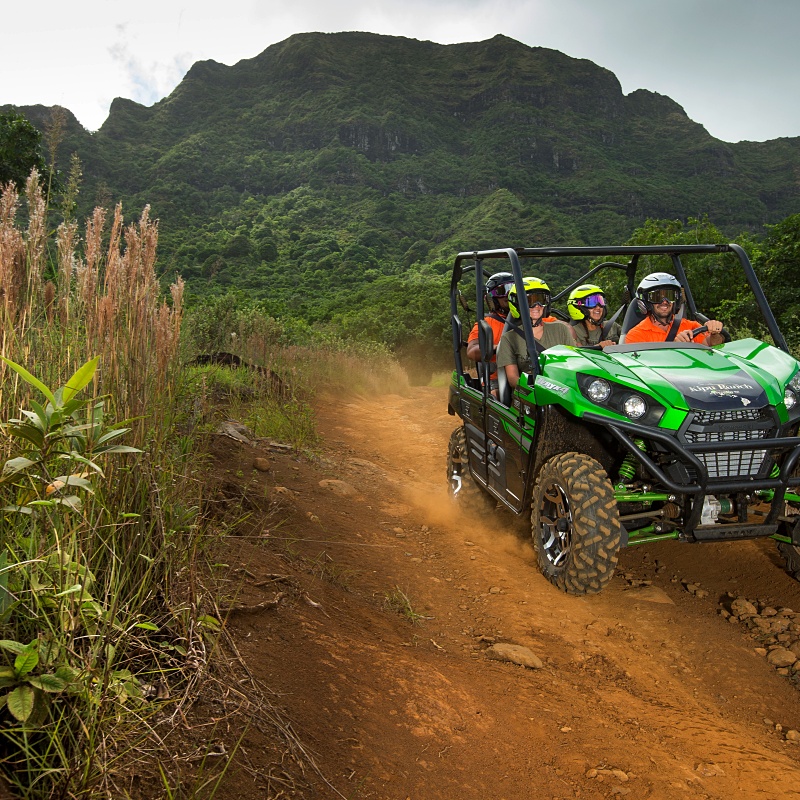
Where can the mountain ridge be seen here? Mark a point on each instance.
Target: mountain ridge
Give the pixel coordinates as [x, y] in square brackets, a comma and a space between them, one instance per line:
[340, 158]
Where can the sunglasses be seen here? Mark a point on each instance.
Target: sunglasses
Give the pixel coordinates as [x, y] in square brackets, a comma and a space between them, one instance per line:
[594, 300]
[656, 296]
[538, 299]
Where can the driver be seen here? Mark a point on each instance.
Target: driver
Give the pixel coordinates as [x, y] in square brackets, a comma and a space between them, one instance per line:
[587, 306]
[659, 295]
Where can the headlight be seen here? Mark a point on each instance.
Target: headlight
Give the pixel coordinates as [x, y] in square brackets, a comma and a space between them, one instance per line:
[634, 406]
[789, 398]
[598, 391]
[628, 401]
[794, 383]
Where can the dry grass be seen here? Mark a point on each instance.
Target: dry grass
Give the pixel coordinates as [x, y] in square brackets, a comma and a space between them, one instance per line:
[106, 301]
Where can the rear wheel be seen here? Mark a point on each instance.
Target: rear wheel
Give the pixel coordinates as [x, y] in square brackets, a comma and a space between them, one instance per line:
[460, 484]
[575, 524]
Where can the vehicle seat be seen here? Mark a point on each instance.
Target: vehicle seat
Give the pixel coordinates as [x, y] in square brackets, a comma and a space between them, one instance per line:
[633, 316]
[503, 387]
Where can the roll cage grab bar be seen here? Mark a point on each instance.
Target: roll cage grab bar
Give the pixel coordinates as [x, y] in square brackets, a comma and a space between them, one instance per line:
[513, 255]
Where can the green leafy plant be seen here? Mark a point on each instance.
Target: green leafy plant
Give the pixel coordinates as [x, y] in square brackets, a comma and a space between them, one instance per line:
[66, 636]
[51, 437]
[27, 699]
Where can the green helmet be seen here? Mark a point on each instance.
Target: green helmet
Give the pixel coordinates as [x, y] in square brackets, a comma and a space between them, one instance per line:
[583, 298]
[533, 286]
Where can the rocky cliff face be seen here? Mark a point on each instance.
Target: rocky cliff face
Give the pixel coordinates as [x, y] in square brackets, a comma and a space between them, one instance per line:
[396, 116]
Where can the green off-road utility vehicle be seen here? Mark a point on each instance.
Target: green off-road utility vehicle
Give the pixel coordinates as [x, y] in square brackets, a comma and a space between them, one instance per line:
[631, 444]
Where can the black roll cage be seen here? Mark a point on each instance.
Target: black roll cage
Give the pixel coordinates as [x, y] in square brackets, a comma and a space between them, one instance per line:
[632, 252]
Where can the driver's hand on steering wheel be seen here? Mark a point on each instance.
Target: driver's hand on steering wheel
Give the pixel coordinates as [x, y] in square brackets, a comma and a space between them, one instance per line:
[713, 326]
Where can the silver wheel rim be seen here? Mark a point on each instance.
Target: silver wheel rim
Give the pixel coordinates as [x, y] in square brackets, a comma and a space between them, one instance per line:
[556, 520]
[456, 471]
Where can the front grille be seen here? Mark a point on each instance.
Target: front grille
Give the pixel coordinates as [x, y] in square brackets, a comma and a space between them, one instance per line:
[741, 464]
[736, 415]
[738, 425]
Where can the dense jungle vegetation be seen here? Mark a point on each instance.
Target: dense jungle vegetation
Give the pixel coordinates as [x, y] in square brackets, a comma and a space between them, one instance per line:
[331, 179]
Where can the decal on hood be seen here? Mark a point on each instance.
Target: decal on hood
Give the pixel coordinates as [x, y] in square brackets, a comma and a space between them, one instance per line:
[735, 391]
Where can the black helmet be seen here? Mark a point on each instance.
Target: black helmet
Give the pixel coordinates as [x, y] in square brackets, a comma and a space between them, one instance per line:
[657, 286]
[496, 288]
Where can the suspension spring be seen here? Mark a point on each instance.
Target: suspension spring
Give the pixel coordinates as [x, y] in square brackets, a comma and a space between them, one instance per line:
[627, 469]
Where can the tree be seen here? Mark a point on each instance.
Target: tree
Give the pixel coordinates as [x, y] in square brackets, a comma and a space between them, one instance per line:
[776, 265]
[20, 149]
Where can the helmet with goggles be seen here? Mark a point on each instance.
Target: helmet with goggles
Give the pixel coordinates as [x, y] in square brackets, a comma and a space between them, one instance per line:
[497, 288]
[655, 289]
[538, 293]
[584, 298]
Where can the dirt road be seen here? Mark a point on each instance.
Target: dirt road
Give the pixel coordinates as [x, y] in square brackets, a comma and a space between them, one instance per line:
[645, 691]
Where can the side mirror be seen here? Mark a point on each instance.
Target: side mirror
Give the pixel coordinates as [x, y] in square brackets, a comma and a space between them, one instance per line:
[485, 340]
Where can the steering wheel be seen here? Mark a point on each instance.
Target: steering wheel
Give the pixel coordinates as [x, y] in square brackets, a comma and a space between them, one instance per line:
[726, 337]
[697, 331]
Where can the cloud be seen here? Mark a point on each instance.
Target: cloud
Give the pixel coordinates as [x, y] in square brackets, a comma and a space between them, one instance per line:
[147, 81]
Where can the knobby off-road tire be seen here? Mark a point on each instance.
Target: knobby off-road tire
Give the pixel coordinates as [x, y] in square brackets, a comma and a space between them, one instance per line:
[575, 524]
[791, 555]
[790, 552]
[468, 496]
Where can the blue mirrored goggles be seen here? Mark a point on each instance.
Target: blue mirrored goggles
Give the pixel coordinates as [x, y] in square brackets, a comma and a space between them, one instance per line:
[593, 300]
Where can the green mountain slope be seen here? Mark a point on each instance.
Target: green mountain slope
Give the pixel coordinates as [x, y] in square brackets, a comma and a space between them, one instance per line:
[331, 160]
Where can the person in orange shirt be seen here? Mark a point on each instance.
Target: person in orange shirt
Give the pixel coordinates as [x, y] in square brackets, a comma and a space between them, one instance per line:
[496, 298]
[659, 295]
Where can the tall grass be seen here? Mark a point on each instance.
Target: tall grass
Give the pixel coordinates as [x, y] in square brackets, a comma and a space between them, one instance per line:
[93, 623]
[104, 302]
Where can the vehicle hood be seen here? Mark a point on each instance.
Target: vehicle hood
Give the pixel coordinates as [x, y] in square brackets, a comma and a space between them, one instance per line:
[745, 373]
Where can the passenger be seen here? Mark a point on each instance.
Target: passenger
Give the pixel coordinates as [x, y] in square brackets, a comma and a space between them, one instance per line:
[496, 298]
[512, 354]
[587, 306]
[660, 296]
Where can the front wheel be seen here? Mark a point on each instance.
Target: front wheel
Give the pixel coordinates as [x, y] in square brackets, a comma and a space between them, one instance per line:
[575, 524]
[460, 484]
[791, 554]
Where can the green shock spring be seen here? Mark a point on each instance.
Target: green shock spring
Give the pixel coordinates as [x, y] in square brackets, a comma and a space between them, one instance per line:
[627, 469]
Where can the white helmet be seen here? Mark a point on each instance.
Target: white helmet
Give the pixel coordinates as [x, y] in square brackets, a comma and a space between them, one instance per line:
[657, 287]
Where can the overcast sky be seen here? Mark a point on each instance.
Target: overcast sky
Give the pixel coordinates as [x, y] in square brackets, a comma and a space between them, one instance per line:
[734, 65]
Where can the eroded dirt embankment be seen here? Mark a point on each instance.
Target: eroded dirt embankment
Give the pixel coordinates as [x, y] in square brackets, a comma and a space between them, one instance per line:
[646, 691]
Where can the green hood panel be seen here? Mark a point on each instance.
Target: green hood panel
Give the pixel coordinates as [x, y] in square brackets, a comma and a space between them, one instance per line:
[736, 375]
